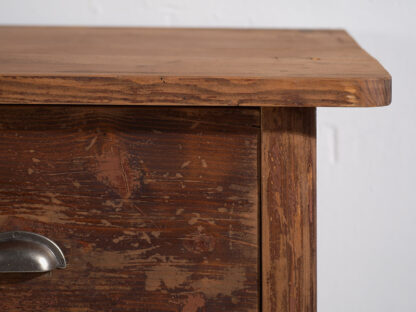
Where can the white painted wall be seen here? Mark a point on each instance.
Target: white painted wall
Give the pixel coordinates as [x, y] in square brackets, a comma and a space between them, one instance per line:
[366, 158]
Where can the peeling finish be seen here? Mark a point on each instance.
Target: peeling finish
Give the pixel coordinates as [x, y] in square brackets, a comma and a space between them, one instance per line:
[91, 144]
[200, 243]
[155, 233]
[193, 303]
[195, 124]
[240, 188]
[170, 277]
[114, 170]
[193, 220]
[185, 164]
[76, 184]
[146, 237]
[166, 276]
[233, 280]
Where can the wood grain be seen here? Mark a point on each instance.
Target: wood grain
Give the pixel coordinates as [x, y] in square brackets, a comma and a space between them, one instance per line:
[288, 209]
[155, 210]
[191, 67]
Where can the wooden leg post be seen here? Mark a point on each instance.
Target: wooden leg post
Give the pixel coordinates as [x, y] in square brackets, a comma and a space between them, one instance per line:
[288, 168]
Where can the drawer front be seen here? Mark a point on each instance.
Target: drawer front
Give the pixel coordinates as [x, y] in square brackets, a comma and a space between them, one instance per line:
[155, 209]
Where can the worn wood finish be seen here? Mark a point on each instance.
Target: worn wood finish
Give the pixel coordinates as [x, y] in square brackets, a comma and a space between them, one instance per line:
[288, 209]
[218, 67]
[155, 209]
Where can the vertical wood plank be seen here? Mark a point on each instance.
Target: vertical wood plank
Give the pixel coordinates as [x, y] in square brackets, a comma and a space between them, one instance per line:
[289, 209]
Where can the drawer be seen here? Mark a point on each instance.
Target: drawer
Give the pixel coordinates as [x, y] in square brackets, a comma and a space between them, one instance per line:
[154, 209]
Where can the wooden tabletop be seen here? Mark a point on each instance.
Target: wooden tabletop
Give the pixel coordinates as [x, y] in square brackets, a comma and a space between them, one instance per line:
[191, 67]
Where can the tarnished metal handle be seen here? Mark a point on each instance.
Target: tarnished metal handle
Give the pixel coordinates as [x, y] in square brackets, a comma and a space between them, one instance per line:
[29, 252]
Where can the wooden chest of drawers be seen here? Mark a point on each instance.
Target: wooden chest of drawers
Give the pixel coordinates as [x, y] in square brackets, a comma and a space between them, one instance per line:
[173, 168]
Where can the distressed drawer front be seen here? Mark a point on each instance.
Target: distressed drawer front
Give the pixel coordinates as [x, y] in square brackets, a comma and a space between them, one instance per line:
[156, 209]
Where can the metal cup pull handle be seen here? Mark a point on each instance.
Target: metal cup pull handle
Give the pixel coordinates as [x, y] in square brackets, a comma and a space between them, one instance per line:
[29, 252]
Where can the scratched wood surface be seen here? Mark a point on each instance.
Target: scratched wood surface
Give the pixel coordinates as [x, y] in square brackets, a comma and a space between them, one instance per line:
[288, 209]
[217, 67]
[155, 210]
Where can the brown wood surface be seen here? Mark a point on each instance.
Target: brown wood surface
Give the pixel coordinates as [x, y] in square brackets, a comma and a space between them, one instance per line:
[288, 209]
[155, 210]
[218, 67]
